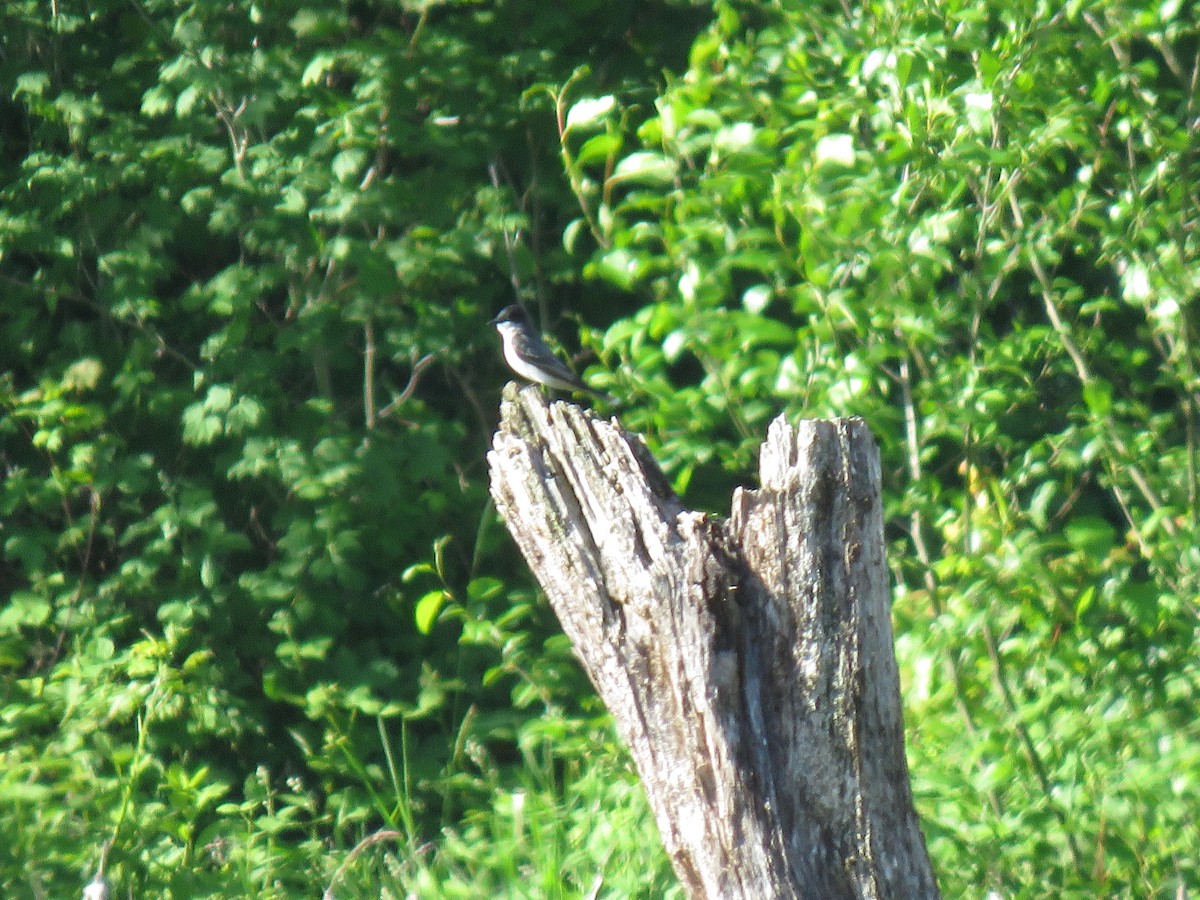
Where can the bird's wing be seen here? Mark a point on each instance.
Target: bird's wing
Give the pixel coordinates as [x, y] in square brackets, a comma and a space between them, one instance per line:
[538, 351]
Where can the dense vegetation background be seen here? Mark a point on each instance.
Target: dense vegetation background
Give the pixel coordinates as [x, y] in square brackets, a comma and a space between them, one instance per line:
[260, 631]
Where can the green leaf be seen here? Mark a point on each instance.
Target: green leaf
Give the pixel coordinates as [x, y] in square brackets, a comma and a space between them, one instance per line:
[1098, 397]
[427, 609]
[756, 298]
[589, 112]
[600, 148]
[1091, 534]
[571, 234]
[835, 149]
[317, 68]
[347, 164]
[484, 588]
[620, 267]
[24, 610]
[31, 84]
[645, 167]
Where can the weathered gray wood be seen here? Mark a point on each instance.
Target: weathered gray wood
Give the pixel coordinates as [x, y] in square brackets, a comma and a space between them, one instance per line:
[748, 664]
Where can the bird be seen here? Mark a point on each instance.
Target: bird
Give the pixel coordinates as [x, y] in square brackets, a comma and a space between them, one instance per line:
[530, 357]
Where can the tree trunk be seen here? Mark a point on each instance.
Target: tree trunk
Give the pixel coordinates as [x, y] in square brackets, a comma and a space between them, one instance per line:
[748, 663]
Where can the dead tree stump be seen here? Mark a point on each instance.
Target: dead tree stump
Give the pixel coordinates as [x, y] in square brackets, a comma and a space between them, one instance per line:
[748, 663]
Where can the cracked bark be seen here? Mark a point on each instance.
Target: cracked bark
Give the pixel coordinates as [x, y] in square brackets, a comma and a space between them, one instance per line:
[748, 663]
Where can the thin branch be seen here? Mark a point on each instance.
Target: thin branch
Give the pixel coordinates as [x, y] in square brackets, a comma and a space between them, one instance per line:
[239, 138]
[560, 112]
[510, 240]
[413, 378]
[912, 442]
[1109, 433]
[1035, 760]
[369, 372]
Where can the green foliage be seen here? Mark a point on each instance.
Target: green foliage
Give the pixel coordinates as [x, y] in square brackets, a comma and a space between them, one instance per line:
[260, 632]
[975, 226]
[256, 605]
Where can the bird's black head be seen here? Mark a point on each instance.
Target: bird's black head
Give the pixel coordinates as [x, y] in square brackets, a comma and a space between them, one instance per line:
[513, 313]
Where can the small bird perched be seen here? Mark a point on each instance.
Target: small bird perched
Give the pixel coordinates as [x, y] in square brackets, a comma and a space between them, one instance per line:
[530, 357]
